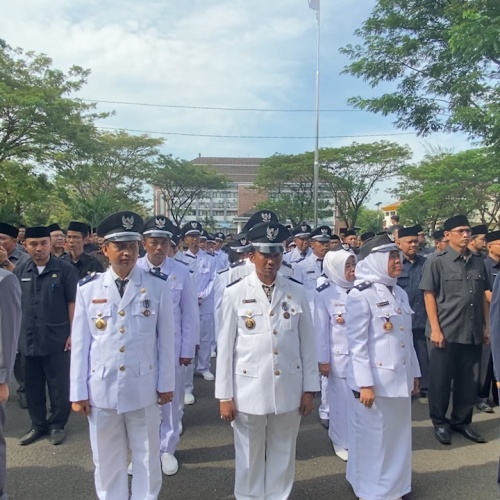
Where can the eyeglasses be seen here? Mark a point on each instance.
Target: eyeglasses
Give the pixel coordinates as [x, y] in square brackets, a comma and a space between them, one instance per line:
[461, 231]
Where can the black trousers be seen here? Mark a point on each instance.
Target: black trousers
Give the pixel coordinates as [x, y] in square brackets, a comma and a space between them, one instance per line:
[458, 363]
[51, 371]
[420, 345]
[487, 382]
[19, 372]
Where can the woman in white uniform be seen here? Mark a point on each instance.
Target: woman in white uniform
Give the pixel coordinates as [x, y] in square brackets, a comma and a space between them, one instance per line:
[332, 349]
[382, 373]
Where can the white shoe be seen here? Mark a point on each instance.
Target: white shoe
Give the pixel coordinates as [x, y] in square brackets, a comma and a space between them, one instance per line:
[213, 354]
[129, 469]
[342, 453]
[169, 464]
[208, 375]
[188, 398]
[181, 428]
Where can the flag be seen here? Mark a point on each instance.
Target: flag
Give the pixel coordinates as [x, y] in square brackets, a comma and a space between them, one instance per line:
[314, 4]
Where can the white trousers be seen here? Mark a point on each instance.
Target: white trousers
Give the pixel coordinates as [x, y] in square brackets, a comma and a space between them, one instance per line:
[171, 415]
[265, 455]
[339, 395]
[379, 465]
[206, 336]
[323, 409]
[111, 435]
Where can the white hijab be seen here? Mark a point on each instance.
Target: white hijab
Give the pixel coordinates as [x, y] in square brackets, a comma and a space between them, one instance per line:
[374, 268]
[334, 267]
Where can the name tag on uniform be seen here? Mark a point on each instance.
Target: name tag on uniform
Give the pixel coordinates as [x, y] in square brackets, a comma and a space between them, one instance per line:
[99, 301]
[310, 272]
[382, 304]
[248, 301]
[25, 279]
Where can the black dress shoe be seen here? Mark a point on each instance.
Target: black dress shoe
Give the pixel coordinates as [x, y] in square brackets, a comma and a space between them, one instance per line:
[468, 433]
[32, 436]
[484, 407]
[57, 436]
[442, 434]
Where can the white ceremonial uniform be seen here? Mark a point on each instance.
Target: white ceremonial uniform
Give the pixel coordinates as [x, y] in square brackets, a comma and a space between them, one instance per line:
[186, 330]
[266, 361]
[121, 357]
[379, 465]
[332, 348]
[294, 255]
[222, 260]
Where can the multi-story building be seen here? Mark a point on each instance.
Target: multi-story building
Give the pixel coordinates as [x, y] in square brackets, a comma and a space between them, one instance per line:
[227, 209]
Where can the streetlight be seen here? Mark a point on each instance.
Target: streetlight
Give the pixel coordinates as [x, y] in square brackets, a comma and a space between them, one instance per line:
[378, 215]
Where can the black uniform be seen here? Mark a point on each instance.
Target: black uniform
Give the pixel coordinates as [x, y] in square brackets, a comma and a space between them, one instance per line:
[459, 285]
[85, 264]
[45, 327]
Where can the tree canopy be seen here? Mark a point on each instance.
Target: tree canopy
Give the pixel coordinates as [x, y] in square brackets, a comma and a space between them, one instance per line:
[443, 57]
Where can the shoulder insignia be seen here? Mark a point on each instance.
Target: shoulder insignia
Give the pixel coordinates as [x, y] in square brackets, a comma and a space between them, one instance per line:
[189, 255]
[294, 280]
[286, 264]
[324, 286]
[223, 270]
[158, 274]
[88, 278]
[211, 254]
[182, 262]
[298, 260]
[363, 286]
[234, 282]
[191, 271]
[237, 263]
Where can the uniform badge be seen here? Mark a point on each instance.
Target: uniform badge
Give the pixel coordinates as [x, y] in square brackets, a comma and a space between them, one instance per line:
[340, 320]
[266, 217]
[143, 290]
[100, 324]
[147, 312]
[128, 222]
[388, 326]
[284, 306]
[160, 223]
[250, 323]
[272, 233]
[54, 275]
[99, 301]
[146, 303]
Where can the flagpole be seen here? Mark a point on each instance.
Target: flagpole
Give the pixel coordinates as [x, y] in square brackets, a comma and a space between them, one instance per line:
[316, 150]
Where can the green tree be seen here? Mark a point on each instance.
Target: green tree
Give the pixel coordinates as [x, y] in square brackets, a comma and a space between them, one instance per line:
[290, 180]
[181, 183]
[444, 58]
[444, 184]
[353, 173]
[37, 114]
[369, 220]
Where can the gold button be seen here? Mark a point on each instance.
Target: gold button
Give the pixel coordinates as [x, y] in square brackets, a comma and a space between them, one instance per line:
[402, 328]
[275, 351]
[403, 345]
[122, 368]
[275, 332]
[277, 372]
[122, 313]
[122, 330]
[122, 349]
[271, 313]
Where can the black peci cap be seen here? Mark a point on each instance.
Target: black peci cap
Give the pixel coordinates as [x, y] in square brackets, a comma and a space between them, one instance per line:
[79, 227]
[409, 231]
[367, 236]
[481, 229]
[54, 227]
[37, 232]
[268, 237]
[350, 232]
[493, 236]
[455, 221]
[122, 226]
[9, 230]
[438, 235]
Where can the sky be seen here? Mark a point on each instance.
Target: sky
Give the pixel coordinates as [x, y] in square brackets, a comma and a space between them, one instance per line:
[258, 54]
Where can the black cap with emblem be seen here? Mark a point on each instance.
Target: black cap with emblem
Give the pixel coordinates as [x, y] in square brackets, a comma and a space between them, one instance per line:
[303, 230]
[321, 233]
[240, 243]
[193, 228]
[379, 243]
[268, 237]
[219, 236]
[122, 226]
[159, 226]
[258, 218]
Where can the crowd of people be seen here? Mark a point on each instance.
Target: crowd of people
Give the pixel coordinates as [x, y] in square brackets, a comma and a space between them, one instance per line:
[116, 322]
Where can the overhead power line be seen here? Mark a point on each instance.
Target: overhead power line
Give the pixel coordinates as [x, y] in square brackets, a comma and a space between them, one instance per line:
[257, 136]
[211, 108]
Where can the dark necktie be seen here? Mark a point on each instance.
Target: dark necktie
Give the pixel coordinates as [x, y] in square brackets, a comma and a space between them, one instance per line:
[320, 264]
[268, 290]
[121, 284]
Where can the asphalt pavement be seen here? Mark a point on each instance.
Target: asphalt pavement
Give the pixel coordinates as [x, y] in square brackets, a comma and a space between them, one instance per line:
[41, 471]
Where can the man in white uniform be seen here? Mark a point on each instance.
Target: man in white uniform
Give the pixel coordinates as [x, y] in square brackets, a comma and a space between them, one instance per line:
[122, 362]
[157, 233]
[266, 368]
[301, 238]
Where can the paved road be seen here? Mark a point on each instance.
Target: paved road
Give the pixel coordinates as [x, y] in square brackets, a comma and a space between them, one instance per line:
[464, 471]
